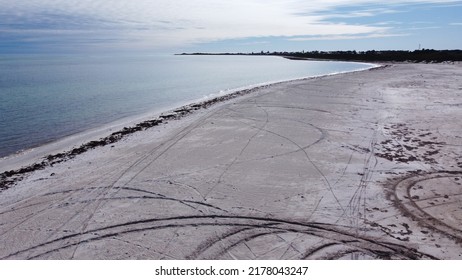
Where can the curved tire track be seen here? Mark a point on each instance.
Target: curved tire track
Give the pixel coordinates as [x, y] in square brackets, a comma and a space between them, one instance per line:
[247, 227]
[405, 202]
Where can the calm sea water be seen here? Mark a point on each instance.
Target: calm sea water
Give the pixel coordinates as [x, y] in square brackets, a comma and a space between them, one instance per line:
[44, 98]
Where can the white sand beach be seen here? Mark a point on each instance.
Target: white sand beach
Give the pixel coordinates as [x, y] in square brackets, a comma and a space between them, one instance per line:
[364, 165]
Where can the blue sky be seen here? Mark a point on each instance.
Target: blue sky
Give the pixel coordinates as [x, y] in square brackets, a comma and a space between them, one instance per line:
[168, 26]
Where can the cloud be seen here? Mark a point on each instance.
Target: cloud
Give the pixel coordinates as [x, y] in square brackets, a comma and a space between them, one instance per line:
[345, 37]
[169, 23]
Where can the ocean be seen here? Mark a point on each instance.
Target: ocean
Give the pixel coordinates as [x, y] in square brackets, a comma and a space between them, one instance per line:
[44, 98]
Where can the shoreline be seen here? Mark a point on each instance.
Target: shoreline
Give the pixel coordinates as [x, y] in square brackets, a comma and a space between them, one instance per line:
[190, 86]
[70, 151]
[19, 164]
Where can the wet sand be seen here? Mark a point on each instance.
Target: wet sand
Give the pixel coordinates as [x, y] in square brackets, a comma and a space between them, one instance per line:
[361, 165]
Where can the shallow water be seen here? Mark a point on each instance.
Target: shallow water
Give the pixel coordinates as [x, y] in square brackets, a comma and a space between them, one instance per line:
[45, 98]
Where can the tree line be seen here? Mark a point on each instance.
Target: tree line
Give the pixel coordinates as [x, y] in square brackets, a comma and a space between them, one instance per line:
[424, 55]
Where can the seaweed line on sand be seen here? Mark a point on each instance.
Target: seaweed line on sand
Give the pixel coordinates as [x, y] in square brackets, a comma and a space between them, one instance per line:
[10, 178]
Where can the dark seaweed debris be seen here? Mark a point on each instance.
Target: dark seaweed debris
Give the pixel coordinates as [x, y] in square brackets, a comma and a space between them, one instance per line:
[9, 178]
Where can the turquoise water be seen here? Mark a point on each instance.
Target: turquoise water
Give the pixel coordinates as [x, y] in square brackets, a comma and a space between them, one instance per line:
[45, 98]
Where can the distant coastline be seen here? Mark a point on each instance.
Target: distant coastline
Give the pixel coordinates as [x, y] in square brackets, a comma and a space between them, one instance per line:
[424, 55]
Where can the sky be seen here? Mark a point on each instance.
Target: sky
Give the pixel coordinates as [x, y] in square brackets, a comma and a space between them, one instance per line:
[171, 26]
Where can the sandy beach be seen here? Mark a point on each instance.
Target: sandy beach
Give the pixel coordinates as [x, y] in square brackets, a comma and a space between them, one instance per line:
[364, 165]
